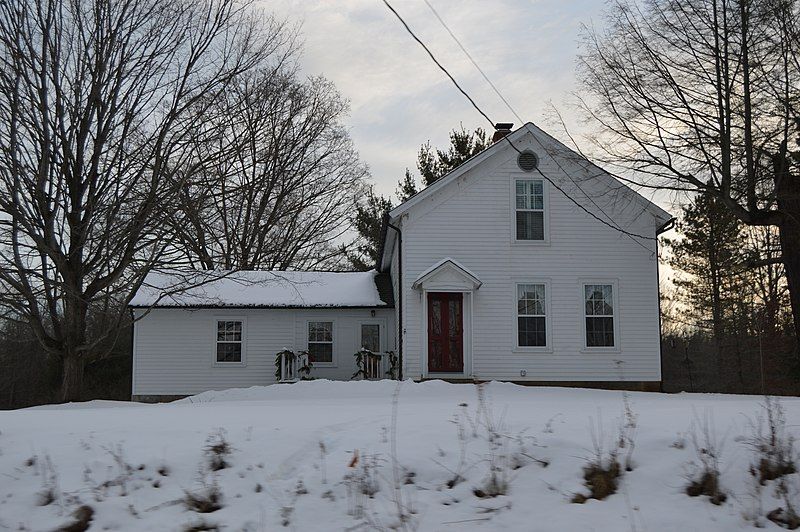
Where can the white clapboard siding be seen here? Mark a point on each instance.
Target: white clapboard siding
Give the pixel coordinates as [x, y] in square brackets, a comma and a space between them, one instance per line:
[174, 348]
[470, 220]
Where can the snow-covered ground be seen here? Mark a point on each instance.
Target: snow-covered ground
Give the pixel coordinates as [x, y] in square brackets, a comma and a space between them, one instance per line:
[293, 459]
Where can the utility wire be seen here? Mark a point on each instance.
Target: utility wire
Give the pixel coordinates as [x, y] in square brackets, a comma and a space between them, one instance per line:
[509, 106]
[492, 123]
[433, 58]
[520, 119]
[472, 60]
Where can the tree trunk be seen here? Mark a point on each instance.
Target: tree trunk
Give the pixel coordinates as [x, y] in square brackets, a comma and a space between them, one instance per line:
[790, 249]
[72, 379]
[716, 295]
[787, 193]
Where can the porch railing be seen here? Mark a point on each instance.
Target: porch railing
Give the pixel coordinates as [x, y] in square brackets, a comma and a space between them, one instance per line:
[371, 366]
[292, 364]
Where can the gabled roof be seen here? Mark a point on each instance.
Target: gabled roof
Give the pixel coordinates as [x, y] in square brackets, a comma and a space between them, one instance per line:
[503, 144]
[388, 237]
[445, 264]
[265, 289]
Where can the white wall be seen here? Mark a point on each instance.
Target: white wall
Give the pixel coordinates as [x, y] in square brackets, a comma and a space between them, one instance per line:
[471, 221]
[174, 350]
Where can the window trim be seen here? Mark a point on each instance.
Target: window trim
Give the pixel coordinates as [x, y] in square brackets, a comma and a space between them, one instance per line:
[616, 348]
[546, 210]
[548, 347]
[334, 336]
[215, 322]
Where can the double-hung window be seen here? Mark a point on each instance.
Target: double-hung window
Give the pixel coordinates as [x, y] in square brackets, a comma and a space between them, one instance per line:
[599, 315]
[531, 315]
[229, 341]
[320, 341]
[529, 203]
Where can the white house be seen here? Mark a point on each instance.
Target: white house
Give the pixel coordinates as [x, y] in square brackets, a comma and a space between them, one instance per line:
[526, 263]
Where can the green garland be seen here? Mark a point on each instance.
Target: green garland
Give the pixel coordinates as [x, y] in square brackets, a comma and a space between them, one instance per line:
[363, 354]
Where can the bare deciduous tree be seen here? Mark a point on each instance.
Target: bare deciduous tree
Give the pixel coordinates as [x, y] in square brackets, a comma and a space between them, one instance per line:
[97, 100]
[767, 280]
[275, 180]
[704, 96]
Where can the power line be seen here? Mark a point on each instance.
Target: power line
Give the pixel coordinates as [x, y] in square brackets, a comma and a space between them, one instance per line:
[611, 221]
[509, 106]
[433, 58]
[474, 63]
[492, 122]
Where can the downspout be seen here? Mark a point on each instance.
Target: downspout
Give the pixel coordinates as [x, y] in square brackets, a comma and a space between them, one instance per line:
[133, 350]
[399, 298]
[669, 224]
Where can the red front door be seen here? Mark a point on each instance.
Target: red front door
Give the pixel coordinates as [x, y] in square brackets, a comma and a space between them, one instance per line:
[445, 332]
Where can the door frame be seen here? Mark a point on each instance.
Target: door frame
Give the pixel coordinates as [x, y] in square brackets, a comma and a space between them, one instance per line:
[467, 306]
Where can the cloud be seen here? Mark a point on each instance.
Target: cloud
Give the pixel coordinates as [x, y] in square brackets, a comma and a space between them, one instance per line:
[400, 99]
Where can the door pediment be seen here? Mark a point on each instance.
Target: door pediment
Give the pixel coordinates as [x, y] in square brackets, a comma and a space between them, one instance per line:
[447, 274]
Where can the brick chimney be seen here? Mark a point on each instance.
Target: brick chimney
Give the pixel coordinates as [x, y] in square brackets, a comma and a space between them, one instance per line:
[501, 129]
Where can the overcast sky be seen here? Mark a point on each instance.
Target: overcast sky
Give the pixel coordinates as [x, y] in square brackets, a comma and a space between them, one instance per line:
[400, 99]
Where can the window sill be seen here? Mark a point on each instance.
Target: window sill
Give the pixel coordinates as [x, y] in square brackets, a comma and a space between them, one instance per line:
[532, 243]
[229, 364]
[600, 350]
[532, 349]
[323, 365]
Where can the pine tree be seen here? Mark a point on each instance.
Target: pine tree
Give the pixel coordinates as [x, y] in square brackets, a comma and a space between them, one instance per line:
[714, 290]
[367, 221]
[711, 254]
[433, 163]
[406, 187]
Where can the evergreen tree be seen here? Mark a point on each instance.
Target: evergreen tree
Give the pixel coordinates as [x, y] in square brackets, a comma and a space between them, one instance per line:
[406, 187]
[711, 254]
[432, 163]
[367, 221]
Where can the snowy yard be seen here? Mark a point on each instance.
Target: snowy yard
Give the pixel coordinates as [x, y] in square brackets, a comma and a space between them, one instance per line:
[319, 456]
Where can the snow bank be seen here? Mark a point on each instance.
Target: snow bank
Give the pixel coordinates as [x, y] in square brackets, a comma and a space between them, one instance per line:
[259, 289]
[111, 456]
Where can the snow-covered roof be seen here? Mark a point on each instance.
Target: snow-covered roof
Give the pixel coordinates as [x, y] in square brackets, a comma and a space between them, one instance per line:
[264, 289]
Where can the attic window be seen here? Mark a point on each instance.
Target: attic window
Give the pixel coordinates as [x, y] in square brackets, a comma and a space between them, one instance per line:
[527, 161]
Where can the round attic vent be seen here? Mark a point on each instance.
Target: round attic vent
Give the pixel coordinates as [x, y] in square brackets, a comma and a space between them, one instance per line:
[528, 161]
